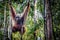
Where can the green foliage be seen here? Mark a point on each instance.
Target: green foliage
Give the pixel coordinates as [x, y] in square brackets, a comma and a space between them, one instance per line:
[1, 35]
[55, 5]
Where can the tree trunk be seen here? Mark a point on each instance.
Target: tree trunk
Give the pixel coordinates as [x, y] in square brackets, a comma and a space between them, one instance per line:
[10, 27]
[35, 18]
[5, 26]
[48, 20]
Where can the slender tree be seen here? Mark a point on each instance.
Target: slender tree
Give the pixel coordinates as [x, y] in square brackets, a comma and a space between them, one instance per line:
[5, 26]
[48, 20]
[35, 5]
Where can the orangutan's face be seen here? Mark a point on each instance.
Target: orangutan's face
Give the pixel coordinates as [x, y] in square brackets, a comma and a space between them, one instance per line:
[19, 20]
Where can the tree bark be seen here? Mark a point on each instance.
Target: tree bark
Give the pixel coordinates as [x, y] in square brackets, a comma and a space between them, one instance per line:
[5, 22]
[48, 20]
